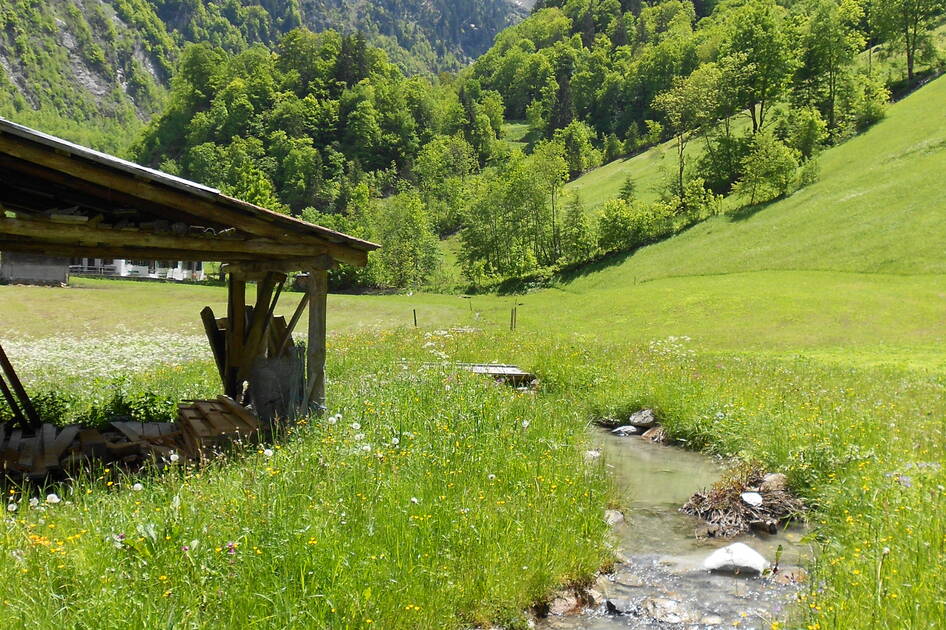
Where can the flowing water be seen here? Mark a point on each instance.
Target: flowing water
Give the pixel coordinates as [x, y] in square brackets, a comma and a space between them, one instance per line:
[664, 556]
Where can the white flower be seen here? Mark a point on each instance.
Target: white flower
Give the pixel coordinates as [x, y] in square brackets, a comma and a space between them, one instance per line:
[356, 426]
[52, 498]
[359, 437]
[415, 500]
[268, 452]
[12, 507]
[34, 502]
[491, 477]
[137, 487]
[332, 419]
[525, 424]
[395, 441]
[366, 448]
[174, 457]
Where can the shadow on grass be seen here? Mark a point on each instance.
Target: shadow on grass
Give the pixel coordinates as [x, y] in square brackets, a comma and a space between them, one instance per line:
[749, 210]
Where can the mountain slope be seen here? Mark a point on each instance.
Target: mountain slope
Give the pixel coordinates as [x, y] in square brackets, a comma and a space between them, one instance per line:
[92, 70]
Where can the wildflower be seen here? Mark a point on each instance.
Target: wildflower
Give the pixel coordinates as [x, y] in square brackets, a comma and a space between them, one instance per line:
[53, 498]
[12, 507]
[366, 448]
[268, 452]
[359, 437]
[185, 548]
[137, 487]
[332, 419]
[34, 502]
[395, 441]
[525, 424]
[231, 548]
[491, 477]
[174, 457]
[415, 500]
[356, 426]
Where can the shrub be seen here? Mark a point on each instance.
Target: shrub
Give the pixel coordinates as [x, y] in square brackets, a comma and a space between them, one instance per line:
[768, 170]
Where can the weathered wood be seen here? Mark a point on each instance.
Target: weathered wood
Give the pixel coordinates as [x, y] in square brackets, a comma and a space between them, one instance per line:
[236, 336]
[29, 412]
[250, 421]
[296, 316]
[218, 342]
[103, 236]
[277, 333]
[262, 313]
[18, 416]
[318, 297]
[226, 211]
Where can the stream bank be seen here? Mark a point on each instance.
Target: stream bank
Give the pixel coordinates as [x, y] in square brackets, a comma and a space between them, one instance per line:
[659, 581]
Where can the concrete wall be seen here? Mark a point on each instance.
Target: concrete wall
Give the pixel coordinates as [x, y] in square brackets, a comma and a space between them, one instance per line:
[33, 269]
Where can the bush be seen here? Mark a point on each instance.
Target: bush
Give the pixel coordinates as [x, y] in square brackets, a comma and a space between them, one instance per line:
[768, 170]
[868, 102]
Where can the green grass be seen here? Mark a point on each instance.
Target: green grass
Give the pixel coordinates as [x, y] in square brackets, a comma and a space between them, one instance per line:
[514, 134]
[816, 348]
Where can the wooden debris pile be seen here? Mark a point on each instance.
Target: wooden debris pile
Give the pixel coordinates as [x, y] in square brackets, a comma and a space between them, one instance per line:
[745, 498]
[202, 428]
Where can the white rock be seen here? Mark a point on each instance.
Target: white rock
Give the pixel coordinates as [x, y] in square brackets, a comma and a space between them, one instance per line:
[626, 430]
[752, 498]
[736, 558]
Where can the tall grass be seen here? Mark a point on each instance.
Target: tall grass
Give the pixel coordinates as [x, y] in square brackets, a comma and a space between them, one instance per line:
[428, 499]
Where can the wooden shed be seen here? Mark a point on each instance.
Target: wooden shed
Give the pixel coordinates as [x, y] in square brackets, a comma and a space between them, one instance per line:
[61, 199]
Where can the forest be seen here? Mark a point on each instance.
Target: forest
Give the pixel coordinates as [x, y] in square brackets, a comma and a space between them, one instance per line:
[331, 127]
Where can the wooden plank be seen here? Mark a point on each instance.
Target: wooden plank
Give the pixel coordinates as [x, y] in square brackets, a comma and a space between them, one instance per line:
[92, 443]
[277, 332]
[227, 211]
[262, 313]
[63, 441]
[218, 421]
[18, 416]
[249, 420]
[106, 236]
[12, 451]
[217, 340]
[45, 454]
[26, 450]
[29, 412]
[296, 316]
[318, 294]
[236, 336]
[131, 430]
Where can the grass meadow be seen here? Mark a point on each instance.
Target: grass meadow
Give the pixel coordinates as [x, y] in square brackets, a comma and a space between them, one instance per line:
[806, 335]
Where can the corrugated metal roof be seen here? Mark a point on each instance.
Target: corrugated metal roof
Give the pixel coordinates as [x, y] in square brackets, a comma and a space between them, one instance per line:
[178, 183]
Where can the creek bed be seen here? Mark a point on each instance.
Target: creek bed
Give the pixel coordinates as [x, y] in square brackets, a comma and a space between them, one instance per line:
[662, 583]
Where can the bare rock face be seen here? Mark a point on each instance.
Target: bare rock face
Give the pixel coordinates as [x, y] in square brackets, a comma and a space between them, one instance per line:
[737, 558]
[644, 419]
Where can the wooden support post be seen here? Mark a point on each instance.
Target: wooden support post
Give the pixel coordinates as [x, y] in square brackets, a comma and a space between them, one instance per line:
[318, 295]
[236, 334]
[11, 402]
[284, 342]
[29, 412]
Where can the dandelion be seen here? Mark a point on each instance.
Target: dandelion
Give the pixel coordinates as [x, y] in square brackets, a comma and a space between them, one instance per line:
[174, 457]
[137, 487]
[34, 502]
[395, 441]
[12, 507]
[268, 452]
[356, 426]
[359, 437]
[53, 498]
[332, 420]
[366, 448]
[415, 500]
[525, 424]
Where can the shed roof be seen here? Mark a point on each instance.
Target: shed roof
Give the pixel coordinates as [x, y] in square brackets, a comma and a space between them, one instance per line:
[69, 200]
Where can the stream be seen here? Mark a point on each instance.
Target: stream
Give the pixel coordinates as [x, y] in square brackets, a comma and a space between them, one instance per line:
[662, 584]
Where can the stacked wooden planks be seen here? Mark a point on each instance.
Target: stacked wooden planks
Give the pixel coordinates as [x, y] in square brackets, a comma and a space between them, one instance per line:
[207, 426]
[203, 427]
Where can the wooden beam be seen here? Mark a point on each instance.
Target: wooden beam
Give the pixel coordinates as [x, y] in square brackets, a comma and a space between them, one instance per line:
[21, 244]
[259, 223]
[236, 333]
[120, 238]
[218, 342]
[29, 412]
[318, 295]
